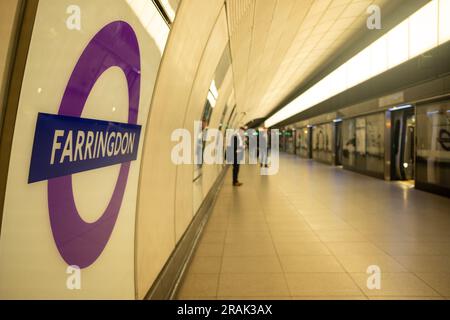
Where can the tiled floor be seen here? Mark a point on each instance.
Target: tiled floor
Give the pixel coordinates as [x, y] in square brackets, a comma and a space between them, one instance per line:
[312, 231]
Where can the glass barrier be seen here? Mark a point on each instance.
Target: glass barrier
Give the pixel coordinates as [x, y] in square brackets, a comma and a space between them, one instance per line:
[433, 145]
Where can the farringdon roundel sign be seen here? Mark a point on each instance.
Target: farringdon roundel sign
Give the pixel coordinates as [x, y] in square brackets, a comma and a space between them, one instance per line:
[65, 144]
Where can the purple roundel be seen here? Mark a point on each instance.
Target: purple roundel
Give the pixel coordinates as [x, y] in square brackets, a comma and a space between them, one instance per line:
[81, 243]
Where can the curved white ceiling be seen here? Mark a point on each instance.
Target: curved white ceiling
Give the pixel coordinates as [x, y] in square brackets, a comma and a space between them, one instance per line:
[277, 44]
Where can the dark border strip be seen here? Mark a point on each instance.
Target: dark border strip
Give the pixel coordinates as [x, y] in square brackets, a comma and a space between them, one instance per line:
[432, 188]
[163, 12]
[19, 57]
[327, 163]
[168, 282]
[197, 178]
[13, 40]
[376, 175]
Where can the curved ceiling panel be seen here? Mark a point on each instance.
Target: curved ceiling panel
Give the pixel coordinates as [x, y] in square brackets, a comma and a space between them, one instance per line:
[277, 45]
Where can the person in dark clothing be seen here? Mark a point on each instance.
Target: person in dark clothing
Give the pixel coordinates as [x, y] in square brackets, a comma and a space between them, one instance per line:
[264, 148]
[238, 152]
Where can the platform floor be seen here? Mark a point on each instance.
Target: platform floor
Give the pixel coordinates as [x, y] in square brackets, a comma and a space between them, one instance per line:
[312, 231]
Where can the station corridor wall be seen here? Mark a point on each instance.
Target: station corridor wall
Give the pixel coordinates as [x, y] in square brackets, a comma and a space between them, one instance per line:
[120, 222]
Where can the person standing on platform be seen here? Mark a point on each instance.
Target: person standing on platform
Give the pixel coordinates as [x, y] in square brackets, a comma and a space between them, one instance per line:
[237, 144]
[264, 148]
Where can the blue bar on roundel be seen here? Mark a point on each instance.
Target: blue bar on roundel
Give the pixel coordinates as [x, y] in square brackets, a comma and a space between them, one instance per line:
[67, 145]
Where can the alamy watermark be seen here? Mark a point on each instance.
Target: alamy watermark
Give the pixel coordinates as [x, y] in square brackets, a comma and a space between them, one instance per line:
[73, 22]
[212, 146]
[374, 279]
[374, 19]
[73, 281]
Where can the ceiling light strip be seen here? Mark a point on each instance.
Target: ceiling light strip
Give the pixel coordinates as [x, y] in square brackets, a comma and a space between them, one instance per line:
[419, 33]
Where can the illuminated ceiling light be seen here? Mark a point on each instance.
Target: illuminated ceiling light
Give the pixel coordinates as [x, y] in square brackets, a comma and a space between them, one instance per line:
[152, 21]
[213, 89]
[389, 51]
[408, 106]
[424, 29]
[431, 113]
[211, 99]
[398, 45]
[444, 22]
